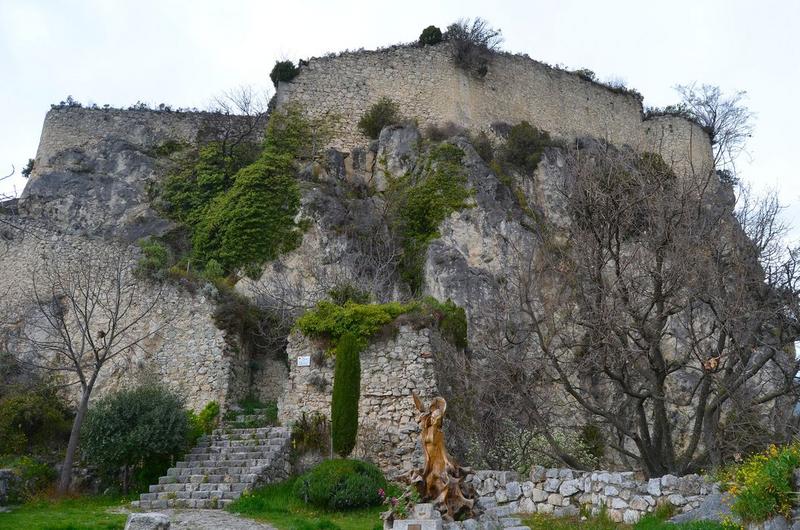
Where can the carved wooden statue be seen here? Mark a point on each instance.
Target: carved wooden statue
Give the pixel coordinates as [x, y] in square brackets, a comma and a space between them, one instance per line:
[441, 480]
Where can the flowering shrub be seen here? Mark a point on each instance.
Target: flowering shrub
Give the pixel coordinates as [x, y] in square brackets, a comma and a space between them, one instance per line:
[762, 484]
[399, 507]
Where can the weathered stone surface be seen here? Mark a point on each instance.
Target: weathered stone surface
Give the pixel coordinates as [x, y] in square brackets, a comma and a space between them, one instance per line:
[714, 507]
[568, 488]
[147, 521]
[428, 86]
[391, 369]
[654, 487]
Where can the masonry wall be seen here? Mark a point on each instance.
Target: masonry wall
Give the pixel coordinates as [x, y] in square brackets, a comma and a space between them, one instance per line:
[93, 167]
[187, 352]
[626, 496]
[391, 369]
[430, 88]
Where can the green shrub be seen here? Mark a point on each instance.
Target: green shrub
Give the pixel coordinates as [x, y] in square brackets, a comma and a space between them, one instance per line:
[422, 201]
[253, 221]
[483, 146]
[330, 322]
[384, 112]
[186, 194]
[155, 261]
[213, 270]
[524, 146]
[283, 72]
[451, 320]
[31, 421]
[311, 434]
[344, 293]
[341, 485]
[762, 484]
[591, 438]
[203, 422]
[28, 169]
[240, 317]
[346, 391]
[585, 73]
[430, 36]
[32, 477]
[239, 206]
[140, 430]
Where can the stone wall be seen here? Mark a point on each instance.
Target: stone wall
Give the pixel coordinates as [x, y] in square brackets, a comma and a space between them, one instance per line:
[429, 88]
[391, 369]
[626, 496]
[93, 166]
[7, 479]
[188, 353]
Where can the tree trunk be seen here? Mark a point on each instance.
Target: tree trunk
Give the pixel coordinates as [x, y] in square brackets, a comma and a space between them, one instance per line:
[66, 470]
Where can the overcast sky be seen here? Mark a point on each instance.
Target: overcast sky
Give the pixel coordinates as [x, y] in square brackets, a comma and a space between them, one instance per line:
[185, 52]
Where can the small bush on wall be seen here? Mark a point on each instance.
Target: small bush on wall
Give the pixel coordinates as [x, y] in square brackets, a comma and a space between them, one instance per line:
[430, 36]
[283, 71]
[384, 112]
[473, 44]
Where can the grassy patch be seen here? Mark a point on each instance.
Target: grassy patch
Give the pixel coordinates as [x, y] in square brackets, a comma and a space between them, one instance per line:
[82, 513]
[649, 522]
[548, 522]
[277, 505]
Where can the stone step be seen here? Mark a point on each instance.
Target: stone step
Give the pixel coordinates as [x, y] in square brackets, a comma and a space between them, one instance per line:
[234, 459]
[220, 468]
[234, 443]
[197, 494]
[162, 504]
[215, 468]
[217, 477]
[205, 486]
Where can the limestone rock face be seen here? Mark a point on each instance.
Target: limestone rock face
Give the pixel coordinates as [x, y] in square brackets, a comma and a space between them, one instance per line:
[397, 149]
[94, 166]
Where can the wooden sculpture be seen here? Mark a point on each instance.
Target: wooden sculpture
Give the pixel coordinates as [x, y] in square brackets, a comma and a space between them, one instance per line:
[441, 480]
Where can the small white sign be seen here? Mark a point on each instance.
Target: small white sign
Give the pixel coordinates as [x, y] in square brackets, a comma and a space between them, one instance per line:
[304, 360]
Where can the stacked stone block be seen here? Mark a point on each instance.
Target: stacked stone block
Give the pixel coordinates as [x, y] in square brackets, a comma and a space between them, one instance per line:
[564, 492]
[222, 467]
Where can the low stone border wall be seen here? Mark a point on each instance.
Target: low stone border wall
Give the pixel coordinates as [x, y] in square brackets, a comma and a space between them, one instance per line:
[563, 492]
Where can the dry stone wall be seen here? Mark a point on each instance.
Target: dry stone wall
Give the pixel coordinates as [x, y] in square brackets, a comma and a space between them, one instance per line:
[391, 369]
[625, 496]
[428, 87]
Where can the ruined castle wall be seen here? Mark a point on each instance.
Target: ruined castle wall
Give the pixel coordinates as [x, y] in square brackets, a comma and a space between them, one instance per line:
[391, 370]
[430, 88]
[93, 166]
[187, 352]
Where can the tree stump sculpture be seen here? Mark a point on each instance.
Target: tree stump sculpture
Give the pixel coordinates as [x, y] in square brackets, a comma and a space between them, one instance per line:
[441, 481]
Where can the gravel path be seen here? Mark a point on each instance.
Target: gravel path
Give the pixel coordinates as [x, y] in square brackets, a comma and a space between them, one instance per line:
[210, 520]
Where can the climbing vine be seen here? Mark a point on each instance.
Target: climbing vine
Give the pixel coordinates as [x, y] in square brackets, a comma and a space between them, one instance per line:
[421, 201]
[240, 209]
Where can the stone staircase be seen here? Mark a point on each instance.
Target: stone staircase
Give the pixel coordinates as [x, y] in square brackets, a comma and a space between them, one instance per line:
[223, 465]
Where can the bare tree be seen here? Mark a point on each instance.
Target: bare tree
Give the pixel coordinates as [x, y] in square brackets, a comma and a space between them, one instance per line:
[726, 119]
[90, 312]
[473, 43]
[654, 313]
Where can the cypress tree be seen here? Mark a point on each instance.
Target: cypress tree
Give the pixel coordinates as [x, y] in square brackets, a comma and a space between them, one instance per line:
[346, 391]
